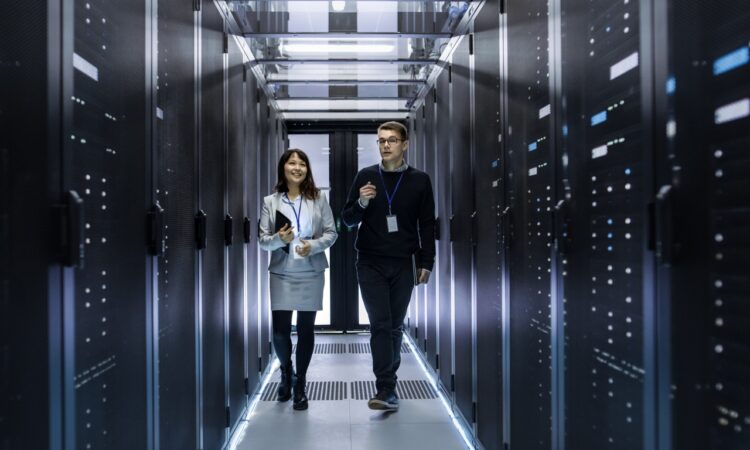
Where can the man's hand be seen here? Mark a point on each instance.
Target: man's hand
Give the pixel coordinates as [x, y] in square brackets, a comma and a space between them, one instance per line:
[423, 276]
[367, 192]
[286, 233]
[304, 249]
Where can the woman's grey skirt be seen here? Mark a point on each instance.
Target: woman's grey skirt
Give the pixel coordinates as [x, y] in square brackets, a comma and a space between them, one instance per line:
[298, 291]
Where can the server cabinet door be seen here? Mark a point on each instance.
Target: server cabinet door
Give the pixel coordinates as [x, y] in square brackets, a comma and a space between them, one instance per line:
[106, 163]
[488, 187]
[176, 191]
[420, 335]
[212, 162]
[234, 231]
[31, 319]
[443, 279]
[707, 255]
[267, 158]
[412, 158]
[462, 207]
[254, 199]
[607, 282]
[431, 296]
[530, 182]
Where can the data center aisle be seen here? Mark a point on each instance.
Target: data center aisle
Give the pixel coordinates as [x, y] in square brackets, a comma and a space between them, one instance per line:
[340, 381]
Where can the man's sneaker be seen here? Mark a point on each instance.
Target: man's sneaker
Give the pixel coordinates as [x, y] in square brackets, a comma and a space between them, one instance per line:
[384, 400]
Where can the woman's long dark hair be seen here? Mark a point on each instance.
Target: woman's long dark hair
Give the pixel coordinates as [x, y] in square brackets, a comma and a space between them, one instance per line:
[307, 187]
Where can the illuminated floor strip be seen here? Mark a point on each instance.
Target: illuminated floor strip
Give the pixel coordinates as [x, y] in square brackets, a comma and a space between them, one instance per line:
[247, 431]
[457, 421]
[239, 432]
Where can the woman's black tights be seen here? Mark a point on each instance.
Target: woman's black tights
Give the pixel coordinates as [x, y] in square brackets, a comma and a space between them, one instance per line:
[282, 340]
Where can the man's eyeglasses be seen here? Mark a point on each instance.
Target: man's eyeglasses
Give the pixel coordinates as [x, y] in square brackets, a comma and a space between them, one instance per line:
[391, 140]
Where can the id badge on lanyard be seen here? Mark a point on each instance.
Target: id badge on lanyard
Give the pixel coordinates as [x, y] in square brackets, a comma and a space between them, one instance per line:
[391, 218]
[392, 223]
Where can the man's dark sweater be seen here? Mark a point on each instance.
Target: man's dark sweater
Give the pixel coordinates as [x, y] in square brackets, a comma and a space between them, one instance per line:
[413, 205]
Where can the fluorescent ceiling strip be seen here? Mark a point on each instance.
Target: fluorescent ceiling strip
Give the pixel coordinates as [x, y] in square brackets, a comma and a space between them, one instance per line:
[338, 48]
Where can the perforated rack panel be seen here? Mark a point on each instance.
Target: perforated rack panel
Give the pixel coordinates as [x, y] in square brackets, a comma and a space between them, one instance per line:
[106, 143]
[176, 192]
[605, 147]
[462, 206]
[530, 182]
[212, 194]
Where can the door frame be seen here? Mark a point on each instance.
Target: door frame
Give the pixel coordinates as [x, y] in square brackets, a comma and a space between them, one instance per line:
[343, 169]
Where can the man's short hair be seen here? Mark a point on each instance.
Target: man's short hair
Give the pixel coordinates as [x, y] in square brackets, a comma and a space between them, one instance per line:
[395, 126]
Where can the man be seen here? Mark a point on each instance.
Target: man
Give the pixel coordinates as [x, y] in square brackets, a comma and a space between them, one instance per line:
[395, 209]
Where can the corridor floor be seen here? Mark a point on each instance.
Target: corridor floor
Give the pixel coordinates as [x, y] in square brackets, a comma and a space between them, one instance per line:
[340, 381]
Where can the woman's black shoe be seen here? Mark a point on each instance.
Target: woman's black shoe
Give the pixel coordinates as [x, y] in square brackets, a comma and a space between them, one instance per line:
[300, 397]
[284, 392]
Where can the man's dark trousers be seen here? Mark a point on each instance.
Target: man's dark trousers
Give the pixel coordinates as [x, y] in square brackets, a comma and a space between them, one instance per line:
[386, 285]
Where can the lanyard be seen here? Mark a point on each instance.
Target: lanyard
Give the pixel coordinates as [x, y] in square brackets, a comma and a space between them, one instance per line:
[296, 214]
[387, 195]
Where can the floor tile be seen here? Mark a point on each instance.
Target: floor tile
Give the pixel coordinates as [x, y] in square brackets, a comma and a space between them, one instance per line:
[349, 424]
[386, 435]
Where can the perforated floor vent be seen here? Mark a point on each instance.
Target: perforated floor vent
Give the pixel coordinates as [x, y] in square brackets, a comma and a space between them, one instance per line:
[406, 390]
[316, 390]
[328, 349]
[363, 347]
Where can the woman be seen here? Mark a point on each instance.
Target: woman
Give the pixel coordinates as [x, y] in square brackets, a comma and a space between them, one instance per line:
[297, 266]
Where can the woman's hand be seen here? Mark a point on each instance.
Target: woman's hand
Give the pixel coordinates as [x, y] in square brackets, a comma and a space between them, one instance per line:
[304, 249]
[286, 233]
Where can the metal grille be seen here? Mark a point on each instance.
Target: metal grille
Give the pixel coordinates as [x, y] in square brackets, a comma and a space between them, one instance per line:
[316, 390]
[406, 390]
[329, 349]
[363, 347]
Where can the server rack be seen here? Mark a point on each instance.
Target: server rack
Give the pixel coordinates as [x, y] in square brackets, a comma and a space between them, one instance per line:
[412, 158]
[36, 377]
[444, 361]
[267, 179]
[702, 222]
[176, 191]
[124, 322]
[419, 328]
[233, 232]
[212, 182]
[431, 300]
[488, 187]
[462, 208]
[530, 180]
[253, 198]
[107, 160]
[607, 284]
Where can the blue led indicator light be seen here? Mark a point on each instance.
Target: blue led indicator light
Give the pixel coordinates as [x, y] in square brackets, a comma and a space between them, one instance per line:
[627, 171]
[495, 163]
[609, 221]
[532, 146]
[671, 85]
[732, 60]
[609, 248]
[565, 130]
[598, 118]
